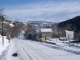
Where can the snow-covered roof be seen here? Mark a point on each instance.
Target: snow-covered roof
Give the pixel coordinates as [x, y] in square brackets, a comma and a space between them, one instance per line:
[46, 30]
[5, 22]
[11, 25]
[35, 25]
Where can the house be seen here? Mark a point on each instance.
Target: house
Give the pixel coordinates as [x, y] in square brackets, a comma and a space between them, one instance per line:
[69, 34]
[38, 29]
[41, 24]
[44, 32]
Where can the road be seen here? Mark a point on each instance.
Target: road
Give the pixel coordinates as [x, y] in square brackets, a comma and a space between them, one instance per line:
[31, 50]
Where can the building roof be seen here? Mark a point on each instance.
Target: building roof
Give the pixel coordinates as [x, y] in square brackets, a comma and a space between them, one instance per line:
[46, 30]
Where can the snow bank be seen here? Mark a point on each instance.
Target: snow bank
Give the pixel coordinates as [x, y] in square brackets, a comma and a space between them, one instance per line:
[6, 44]
[64, 45]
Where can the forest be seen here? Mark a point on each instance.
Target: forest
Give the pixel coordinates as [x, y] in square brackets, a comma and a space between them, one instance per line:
[71, 24]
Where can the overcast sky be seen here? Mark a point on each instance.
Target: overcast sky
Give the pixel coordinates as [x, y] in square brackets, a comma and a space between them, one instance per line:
[41, 10]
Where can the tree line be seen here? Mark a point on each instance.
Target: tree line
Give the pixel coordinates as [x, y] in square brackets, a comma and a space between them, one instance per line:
[71, 24]
[5, 27]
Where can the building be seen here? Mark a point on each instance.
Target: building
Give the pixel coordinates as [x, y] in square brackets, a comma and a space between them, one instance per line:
[41, 24]
[44, 32]
[38, 29]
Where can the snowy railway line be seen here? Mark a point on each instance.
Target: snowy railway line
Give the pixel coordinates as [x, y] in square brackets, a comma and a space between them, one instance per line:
[32, 50]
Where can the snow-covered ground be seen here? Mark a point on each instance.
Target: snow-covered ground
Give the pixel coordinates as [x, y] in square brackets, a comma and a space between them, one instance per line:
[62, 43]
[65, 45]
[6, 44]
[33, 50]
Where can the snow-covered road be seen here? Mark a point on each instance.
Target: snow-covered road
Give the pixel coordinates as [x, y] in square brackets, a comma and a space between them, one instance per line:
[29, 50]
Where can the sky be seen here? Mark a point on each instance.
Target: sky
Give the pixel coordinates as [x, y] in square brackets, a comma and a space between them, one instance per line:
[40, 10]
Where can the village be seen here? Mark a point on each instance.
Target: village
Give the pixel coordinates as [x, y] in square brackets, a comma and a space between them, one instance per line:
[42, 31]
[37, 40]
[39, 30]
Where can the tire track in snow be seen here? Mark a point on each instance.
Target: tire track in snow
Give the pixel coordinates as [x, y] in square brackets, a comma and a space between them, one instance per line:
[41, 54]
[21, 49]
[60, 48]
[27, 54]
[31, 53]
[18, 50]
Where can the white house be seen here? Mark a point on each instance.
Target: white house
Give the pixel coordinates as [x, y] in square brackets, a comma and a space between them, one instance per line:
[44, 32]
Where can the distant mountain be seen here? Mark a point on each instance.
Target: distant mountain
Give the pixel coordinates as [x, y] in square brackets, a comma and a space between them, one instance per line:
[71, 24]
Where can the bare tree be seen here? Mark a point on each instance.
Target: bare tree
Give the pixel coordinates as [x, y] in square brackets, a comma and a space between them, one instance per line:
[17, 29]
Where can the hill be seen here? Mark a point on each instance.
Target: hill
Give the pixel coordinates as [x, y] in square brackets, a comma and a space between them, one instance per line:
[71, 24]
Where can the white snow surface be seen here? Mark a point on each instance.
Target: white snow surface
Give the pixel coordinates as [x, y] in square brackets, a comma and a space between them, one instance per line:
[73, 47]
[43, 30]
[46, 30]
[11, 25]
[32, 50]
[6, 44]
